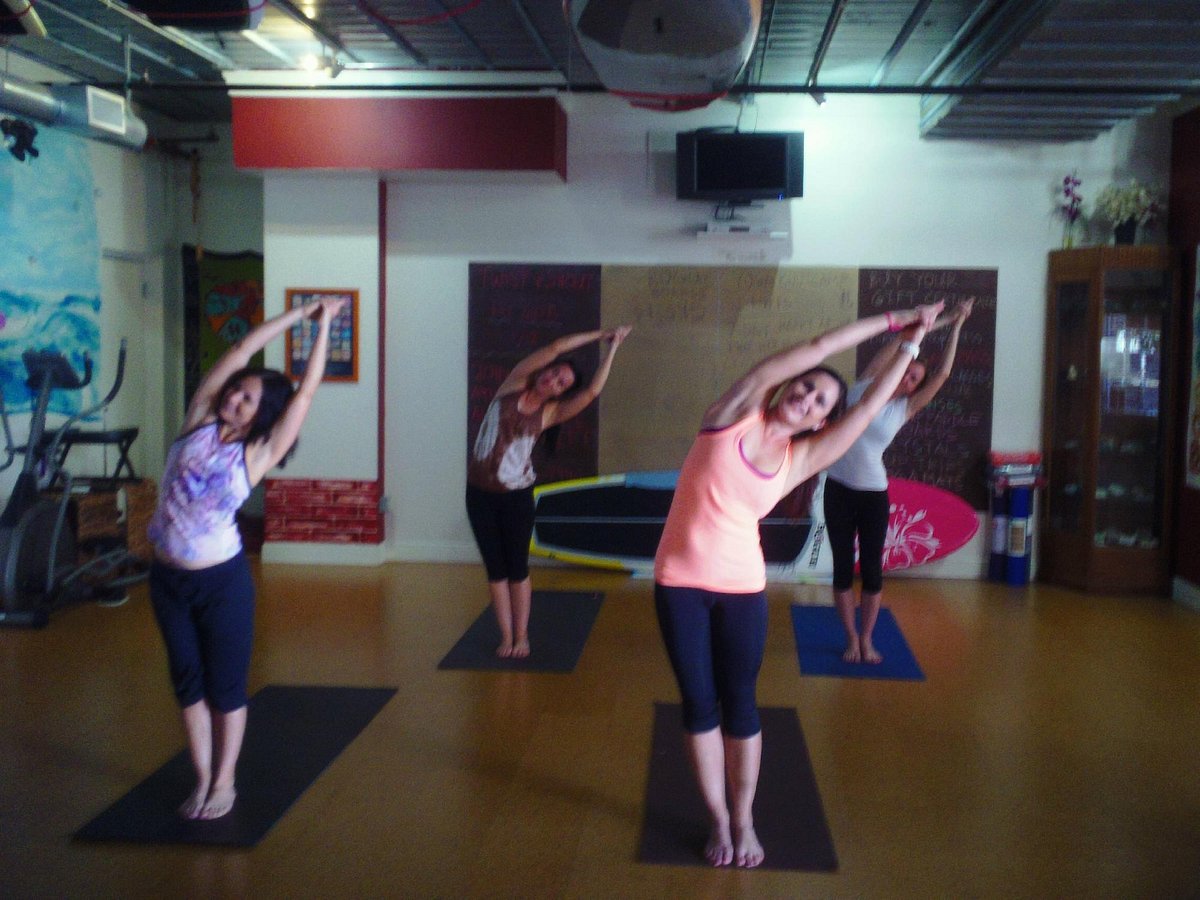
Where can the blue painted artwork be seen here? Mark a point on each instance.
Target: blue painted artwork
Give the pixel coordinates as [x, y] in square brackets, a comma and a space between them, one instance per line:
[49, 266]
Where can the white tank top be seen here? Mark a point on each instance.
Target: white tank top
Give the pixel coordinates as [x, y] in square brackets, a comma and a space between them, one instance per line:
[861, 467]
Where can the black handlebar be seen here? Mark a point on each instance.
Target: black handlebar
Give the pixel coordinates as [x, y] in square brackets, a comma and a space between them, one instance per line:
[53, 365]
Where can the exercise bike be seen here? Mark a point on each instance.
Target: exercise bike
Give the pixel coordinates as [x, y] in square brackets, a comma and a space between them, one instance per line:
[40, 569]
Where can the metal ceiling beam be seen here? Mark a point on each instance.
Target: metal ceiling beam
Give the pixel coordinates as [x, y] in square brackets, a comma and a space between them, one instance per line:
[994, 38]
[1170, 91]
[115, 37]
[177, 38]
[465, 37]
[906, 30]
[387, 28]
[536, 36]
[319, 31]
[835, 15]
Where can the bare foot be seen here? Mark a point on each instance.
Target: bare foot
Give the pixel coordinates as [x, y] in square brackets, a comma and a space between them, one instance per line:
[505, 650]
[719, 849]
[853, 652]
[747, 851]
[870, 654]
[219, 803]
[191, 807]
[520, 649]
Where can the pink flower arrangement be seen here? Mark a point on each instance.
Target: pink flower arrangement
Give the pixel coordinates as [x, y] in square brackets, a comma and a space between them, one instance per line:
[1072, 201]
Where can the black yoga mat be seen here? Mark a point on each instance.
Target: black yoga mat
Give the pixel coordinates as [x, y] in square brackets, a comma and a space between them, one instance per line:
[788, 815]
[292, 735]
[559, 624]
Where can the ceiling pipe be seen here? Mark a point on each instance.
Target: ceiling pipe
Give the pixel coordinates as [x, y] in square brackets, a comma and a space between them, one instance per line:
[1160, 90]
[82, 109]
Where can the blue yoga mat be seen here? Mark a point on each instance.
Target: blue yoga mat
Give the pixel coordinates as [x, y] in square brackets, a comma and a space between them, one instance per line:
[821, 641]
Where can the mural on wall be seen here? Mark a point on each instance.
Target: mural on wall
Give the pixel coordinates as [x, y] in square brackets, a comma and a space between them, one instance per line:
[49, 266]
[695, 330]
[223, 300]
[1193, 429]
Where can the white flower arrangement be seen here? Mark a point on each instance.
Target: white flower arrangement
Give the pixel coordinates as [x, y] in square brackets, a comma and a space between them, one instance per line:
[1120, 203]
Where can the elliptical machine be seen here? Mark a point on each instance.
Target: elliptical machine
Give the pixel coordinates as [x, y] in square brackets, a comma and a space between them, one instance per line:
[39, 568]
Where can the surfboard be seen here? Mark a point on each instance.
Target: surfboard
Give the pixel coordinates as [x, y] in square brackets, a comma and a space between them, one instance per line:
[615, 522]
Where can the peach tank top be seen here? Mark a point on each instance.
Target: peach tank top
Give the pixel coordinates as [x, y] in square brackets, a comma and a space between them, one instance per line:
[711, 540]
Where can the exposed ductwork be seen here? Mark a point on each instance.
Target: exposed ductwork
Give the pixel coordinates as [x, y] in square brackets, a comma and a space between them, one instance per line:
[82, 109]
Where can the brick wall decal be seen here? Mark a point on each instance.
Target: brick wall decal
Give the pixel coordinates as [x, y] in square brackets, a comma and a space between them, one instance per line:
[323, 511]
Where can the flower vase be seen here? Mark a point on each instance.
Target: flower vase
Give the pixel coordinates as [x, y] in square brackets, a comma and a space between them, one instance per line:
[1068, 240]
[1125, 232]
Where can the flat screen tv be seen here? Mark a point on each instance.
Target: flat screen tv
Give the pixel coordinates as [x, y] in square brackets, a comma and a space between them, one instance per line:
[739, 167]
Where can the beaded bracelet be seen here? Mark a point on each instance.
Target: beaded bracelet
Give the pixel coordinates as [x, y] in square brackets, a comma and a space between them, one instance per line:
[911, 347]
[892, 324]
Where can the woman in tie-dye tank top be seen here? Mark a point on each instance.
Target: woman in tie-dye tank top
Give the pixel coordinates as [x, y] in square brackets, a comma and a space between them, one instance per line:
[540, 393]
[241, 423]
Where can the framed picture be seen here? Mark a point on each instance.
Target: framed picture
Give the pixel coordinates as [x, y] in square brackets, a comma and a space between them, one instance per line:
[342, 364]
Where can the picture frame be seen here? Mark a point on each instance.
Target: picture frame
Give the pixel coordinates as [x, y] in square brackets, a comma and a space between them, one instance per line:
[342, 362]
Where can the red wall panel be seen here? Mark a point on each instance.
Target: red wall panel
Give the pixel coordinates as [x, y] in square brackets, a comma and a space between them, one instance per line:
[400, 133]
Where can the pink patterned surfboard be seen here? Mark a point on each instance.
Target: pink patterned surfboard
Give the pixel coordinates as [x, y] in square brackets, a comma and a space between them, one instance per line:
[925, 523]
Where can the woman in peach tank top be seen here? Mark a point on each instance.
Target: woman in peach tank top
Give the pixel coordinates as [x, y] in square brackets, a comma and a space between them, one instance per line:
[774, 429]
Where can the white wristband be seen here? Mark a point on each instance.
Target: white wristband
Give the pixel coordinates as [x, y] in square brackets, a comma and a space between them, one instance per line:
[912, 348]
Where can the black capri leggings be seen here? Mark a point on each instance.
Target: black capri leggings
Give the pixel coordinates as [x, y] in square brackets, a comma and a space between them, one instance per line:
[207, 621]
[715, 642]
[502, 523]
[866, 512]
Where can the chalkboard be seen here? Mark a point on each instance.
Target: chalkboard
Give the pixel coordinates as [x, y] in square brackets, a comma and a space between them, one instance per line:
[946, 444]
[698, 328]
[513, 309]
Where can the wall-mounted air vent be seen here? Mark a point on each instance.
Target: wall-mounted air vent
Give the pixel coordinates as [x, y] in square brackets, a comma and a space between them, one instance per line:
[105, 111]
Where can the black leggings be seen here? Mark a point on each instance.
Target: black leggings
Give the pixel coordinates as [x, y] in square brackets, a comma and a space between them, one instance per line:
[866, 512]
[502, 523]
[715, 642]
[207, 621]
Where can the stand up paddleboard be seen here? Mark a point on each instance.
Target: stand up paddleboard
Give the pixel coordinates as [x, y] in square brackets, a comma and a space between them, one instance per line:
[615, 522]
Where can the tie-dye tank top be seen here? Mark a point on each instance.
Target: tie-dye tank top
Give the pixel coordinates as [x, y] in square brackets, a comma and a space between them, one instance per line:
[502, 458]
[204, 484]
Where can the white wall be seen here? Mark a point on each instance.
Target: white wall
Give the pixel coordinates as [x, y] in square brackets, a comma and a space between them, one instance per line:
[875, 195]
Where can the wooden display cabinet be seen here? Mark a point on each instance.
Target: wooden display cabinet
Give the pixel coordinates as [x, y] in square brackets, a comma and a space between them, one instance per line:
[1108, 423]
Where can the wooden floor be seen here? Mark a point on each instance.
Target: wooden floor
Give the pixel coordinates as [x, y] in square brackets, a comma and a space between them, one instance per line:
[1052, 751]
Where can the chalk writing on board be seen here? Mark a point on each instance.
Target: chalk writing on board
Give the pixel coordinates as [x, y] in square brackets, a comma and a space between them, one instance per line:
[946, 443]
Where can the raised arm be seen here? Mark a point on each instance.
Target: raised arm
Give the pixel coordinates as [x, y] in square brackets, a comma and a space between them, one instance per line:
[542, 357]
[235, 358]
[920, 398]
[881, 359]
[264, 455]
[752, 390]
[818, 451]
[559, 411]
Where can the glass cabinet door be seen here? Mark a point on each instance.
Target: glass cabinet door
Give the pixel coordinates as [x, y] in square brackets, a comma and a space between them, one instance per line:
[1129, 477]
[1070, 413]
